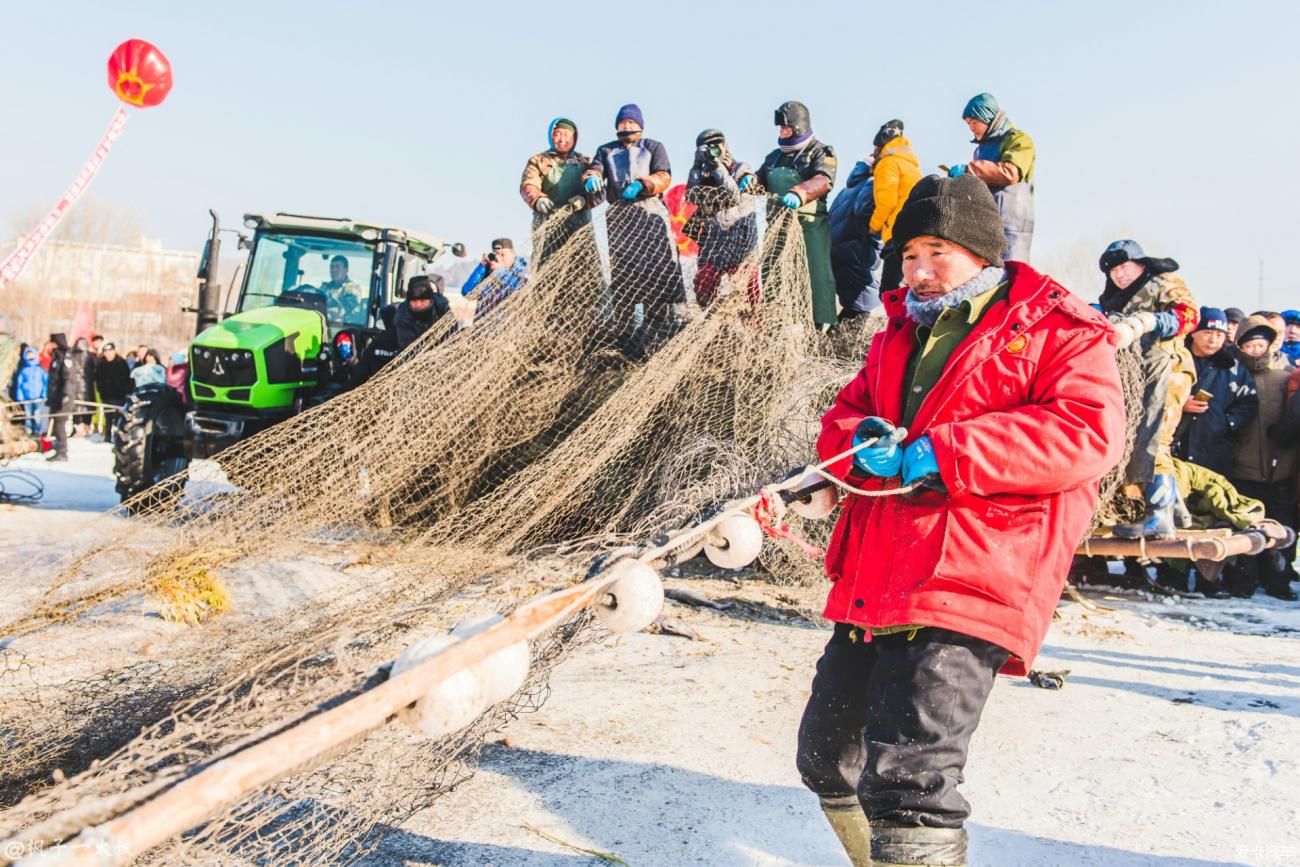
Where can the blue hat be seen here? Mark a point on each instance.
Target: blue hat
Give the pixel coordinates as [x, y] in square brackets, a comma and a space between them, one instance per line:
[631, 111]
[982, 107]
[1291, 317]
[1213, 319]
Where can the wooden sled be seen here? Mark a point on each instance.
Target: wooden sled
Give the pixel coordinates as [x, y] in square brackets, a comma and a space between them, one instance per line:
[1199, 545]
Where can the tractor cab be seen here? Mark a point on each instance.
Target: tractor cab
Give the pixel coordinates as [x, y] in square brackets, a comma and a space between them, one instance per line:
[308, 304]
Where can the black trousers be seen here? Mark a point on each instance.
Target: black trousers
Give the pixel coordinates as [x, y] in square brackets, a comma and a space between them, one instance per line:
[1267, 569]
[890, 721]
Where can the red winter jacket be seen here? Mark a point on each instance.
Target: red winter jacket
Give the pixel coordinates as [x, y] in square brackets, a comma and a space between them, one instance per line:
[1026, 418]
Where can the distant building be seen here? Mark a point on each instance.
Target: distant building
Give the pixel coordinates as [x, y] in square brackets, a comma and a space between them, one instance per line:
[135, 292]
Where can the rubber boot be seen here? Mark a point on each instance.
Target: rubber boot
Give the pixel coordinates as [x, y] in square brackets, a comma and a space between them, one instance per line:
[1158, 524]
[918, 847]
[849, 823]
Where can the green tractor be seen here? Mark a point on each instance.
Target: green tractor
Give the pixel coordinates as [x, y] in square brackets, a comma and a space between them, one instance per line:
[309, 304]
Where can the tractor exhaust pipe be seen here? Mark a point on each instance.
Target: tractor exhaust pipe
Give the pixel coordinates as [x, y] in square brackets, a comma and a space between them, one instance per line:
[209, 308]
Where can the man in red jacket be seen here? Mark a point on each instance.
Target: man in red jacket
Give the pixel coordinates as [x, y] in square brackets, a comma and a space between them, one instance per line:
[994, 391]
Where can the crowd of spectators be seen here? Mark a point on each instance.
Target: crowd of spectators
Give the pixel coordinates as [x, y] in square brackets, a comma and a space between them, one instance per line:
[63, 390]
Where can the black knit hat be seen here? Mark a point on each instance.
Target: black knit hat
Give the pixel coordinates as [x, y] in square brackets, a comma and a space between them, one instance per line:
[423, 286]
[708, 137]
[960, 210]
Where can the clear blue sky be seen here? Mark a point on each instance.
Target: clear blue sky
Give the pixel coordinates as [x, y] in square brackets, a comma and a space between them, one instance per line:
[1173, 122]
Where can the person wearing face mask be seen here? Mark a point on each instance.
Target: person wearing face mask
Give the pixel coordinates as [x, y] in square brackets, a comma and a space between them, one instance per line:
[552, 180]
[1264, 463]
[995, 393]
[1004, 160]
[633, 172]
[800, 173]
[1138, 283]
[424, 305]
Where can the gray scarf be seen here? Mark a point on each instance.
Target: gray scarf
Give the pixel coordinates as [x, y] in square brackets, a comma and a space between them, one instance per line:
[927, 312]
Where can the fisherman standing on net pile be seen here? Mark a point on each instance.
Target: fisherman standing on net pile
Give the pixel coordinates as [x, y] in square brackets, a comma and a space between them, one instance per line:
[725, 222]
[800, 173]
[855, 249]
[1138, 283]
[998, 391]
[553, 179]
[1004, 159]
[634, 172]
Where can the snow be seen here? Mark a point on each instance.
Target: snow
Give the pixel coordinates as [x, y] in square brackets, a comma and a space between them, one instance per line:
[1175, 740]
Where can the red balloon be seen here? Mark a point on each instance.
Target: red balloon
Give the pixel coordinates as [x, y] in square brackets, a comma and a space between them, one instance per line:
[139, 74]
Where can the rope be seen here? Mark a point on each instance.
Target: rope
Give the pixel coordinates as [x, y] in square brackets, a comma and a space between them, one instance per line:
[8, 478]
[770, 514]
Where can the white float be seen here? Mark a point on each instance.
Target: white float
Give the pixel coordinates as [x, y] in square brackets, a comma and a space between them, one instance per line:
[734, 543]
[819, 504]
[502, 674]
[634, 599]
[450, 705]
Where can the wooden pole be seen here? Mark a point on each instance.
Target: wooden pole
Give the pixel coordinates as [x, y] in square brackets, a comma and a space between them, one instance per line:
[232, 779]
[1190, 548]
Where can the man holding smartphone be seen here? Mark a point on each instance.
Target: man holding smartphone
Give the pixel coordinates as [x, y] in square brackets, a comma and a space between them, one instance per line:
[1223, 400]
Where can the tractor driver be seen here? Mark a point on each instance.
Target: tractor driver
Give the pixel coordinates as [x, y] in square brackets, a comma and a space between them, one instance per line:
[342, 294]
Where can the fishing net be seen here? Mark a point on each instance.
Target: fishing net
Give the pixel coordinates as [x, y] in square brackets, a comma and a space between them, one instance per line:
[595, 408]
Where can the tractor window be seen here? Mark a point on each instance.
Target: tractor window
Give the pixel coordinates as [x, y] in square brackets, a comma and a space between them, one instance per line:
[338, 270]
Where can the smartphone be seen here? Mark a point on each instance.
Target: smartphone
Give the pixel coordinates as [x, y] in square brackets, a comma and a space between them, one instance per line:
[1203, 395]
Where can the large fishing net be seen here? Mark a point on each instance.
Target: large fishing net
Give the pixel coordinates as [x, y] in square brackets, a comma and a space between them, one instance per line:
[499, 457]
[595, 408]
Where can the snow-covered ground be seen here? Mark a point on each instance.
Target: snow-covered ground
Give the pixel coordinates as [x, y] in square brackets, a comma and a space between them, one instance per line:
[1175, 740]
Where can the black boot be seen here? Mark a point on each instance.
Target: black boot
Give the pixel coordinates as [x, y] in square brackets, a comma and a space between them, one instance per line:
[918, 847]
[1171, 577]
[1158, 524]
[1282, 590]
[1134, 577]
[1089, 570]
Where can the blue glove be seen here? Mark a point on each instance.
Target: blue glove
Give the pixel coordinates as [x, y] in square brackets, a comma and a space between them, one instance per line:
[792, 201]
[632, 190]
[1162, 491]
[1166, 325]
[594, 184]
[746, 182]
[1097, 307]
[884, 458]
[957, 171]
[919, 461]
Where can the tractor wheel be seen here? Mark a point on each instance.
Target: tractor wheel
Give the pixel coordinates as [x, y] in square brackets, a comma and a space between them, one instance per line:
[149, 446]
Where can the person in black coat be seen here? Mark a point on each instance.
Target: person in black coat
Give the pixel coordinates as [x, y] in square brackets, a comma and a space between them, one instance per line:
[425, 304]
[381, 349]
[57, 396]
[1208, 432]
[80, 385]
[113, 381]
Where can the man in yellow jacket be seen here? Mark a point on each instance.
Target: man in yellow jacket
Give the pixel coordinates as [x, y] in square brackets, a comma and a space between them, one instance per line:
[895, 170]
